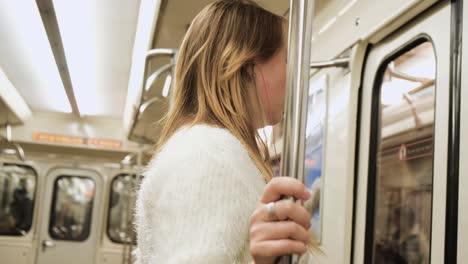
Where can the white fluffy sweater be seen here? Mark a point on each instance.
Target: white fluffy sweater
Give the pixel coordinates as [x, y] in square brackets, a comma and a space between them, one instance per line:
[196, 198]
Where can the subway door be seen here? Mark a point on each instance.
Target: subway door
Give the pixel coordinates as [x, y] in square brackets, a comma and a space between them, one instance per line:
[402, 168]
[70, 217]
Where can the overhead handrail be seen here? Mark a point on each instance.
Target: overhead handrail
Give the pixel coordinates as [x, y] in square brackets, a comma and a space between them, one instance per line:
[407, 96]
[423, 86]
[147, 103]
[409, 99]
[160, 52]
[425, 82]
[401, 75]
[150, 54]
[340, 62]
[155, 75]
[417, 121]
[18, 149]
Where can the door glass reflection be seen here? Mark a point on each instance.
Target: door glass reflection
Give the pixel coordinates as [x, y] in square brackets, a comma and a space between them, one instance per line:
[404, 159]
[121, 208]
[17, 189]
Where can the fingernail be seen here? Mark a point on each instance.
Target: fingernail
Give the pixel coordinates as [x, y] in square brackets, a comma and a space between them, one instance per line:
[306, 195]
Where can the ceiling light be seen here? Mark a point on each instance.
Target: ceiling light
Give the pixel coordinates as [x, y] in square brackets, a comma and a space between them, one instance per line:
[77, 22]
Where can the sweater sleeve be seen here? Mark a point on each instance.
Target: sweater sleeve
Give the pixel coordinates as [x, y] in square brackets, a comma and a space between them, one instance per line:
[201, 214]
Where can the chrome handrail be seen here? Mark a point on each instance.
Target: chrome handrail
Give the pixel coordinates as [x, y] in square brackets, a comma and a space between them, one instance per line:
[298, 71]
[340, 62]
[160, 52]
[401, 75]
[18, 149]
[147, 103]
[155, 75]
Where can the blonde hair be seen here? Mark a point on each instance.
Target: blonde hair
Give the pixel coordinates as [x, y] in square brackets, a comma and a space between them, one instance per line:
[214, 73]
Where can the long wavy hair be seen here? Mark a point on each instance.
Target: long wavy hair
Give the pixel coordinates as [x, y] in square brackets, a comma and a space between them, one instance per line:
[214, 78]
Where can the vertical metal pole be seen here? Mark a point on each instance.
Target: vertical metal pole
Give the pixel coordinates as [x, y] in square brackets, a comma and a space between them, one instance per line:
[299, 50]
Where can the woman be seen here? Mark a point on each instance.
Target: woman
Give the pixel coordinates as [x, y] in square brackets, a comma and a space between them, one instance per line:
[206, 188]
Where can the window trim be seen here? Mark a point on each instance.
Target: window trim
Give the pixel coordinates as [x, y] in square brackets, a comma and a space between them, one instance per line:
[374, 136]
[53, 203]
[33, 200]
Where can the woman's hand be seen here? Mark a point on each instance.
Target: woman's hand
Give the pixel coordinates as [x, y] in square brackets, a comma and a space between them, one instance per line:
[279, 227]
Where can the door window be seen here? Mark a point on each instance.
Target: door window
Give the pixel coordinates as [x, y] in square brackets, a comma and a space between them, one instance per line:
[401, 163]
[121, 208]
[17, 191]
[72, 205]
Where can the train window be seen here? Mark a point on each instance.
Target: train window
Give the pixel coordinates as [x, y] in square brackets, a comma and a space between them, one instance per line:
[121, 208]
[314, 150]
[17, 191]
[70, 217]
[401, 163]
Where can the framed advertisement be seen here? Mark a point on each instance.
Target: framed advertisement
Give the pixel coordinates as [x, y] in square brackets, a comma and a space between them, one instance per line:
[314, 154]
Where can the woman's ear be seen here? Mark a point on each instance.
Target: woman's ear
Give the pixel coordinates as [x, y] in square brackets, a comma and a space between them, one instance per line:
[251, 70]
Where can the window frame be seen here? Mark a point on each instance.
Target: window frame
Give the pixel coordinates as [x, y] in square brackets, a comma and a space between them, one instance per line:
[375, 136]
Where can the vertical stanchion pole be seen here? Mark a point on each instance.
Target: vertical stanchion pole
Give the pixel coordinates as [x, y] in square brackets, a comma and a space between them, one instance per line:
[298, 69]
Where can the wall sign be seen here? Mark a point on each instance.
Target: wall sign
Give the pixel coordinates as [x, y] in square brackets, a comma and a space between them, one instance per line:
[71, 140]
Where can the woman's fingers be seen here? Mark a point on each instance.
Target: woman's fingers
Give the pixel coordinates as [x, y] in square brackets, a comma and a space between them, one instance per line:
[279, 230]
[273, 248]
[284, 186]
[287, 231]
[289, 210]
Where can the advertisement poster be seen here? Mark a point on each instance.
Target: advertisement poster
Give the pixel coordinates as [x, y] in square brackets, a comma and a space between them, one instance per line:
[314, 150]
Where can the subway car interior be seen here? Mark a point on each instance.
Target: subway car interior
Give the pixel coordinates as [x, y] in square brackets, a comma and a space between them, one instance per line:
[374, 123]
